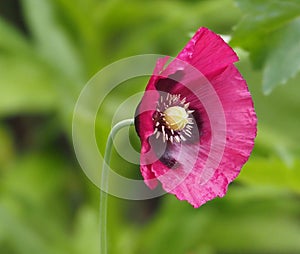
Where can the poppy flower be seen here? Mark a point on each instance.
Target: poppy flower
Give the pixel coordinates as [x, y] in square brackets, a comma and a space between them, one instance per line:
[196, 121]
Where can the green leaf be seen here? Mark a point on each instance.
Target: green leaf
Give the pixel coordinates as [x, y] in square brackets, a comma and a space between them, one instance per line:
[272, 172]
[264, 216]
[18, 235]
[268, 30]
[12, 41]
[278, 115]
[78, 19]
[283, 62]
[33, 210]
[26, 80]
[26, 86]
[86, 236]
[30, 81]
[268, 5]
[261, 18]
[52, 39]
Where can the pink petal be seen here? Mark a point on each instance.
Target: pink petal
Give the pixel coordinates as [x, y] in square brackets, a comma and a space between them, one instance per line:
[147, 106]
[207, 52]
[241, 131]
[183, 169]
[149, 177]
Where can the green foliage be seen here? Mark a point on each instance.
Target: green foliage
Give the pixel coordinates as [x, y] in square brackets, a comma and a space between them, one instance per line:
[269, 31]
[47, 205]
[263, 216]
[26, 85]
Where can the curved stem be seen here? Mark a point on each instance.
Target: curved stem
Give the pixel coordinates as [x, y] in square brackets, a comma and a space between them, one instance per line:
[104, 183]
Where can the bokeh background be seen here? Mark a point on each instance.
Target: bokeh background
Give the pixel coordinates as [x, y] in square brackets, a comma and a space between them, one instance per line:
[49, 49]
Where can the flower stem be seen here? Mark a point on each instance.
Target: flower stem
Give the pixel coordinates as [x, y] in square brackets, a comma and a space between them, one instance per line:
[104, 183]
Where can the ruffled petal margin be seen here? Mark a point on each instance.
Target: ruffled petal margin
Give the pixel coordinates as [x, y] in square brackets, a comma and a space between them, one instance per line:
[208, 53]
[240, 134]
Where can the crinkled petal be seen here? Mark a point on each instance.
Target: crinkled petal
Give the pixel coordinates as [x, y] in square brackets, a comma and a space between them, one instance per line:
[184, 169]
[147, 105]
[149, 177]
[143, 116]
[207, 52]
[240, 133]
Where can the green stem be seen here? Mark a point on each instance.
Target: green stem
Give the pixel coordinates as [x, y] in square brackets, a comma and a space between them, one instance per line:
[104, 183]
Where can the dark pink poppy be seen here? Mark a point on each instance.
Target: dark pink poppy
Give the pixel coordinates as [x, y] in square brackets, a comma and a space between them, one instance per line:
[196, 121]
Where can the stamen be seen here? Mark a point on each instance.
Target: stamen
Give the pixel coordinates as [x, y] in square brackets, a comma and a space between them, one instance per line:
[157, 135]
[183, 138]
[163, 130]
[171, 139]
[173, 119]
[188, 131]
[189, 135]
[177, 117]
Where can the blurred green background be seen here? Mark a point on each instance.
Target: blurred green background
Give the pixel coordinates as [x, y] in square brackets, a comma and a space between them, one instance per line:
[48, 51]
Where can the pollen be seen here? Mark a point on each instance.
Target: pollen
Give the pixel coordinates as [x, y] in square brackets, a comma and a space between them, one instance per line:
[173, 120]
[176, 118]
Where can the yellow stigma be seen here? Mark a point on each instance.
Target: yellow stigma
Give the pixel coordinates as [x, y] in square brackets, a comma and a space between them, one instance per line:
[176, 118]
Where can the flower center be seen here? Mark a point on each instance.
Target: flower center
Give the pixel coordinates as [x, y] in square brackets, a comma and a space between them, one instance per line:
[173, 119]
[176, 118]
